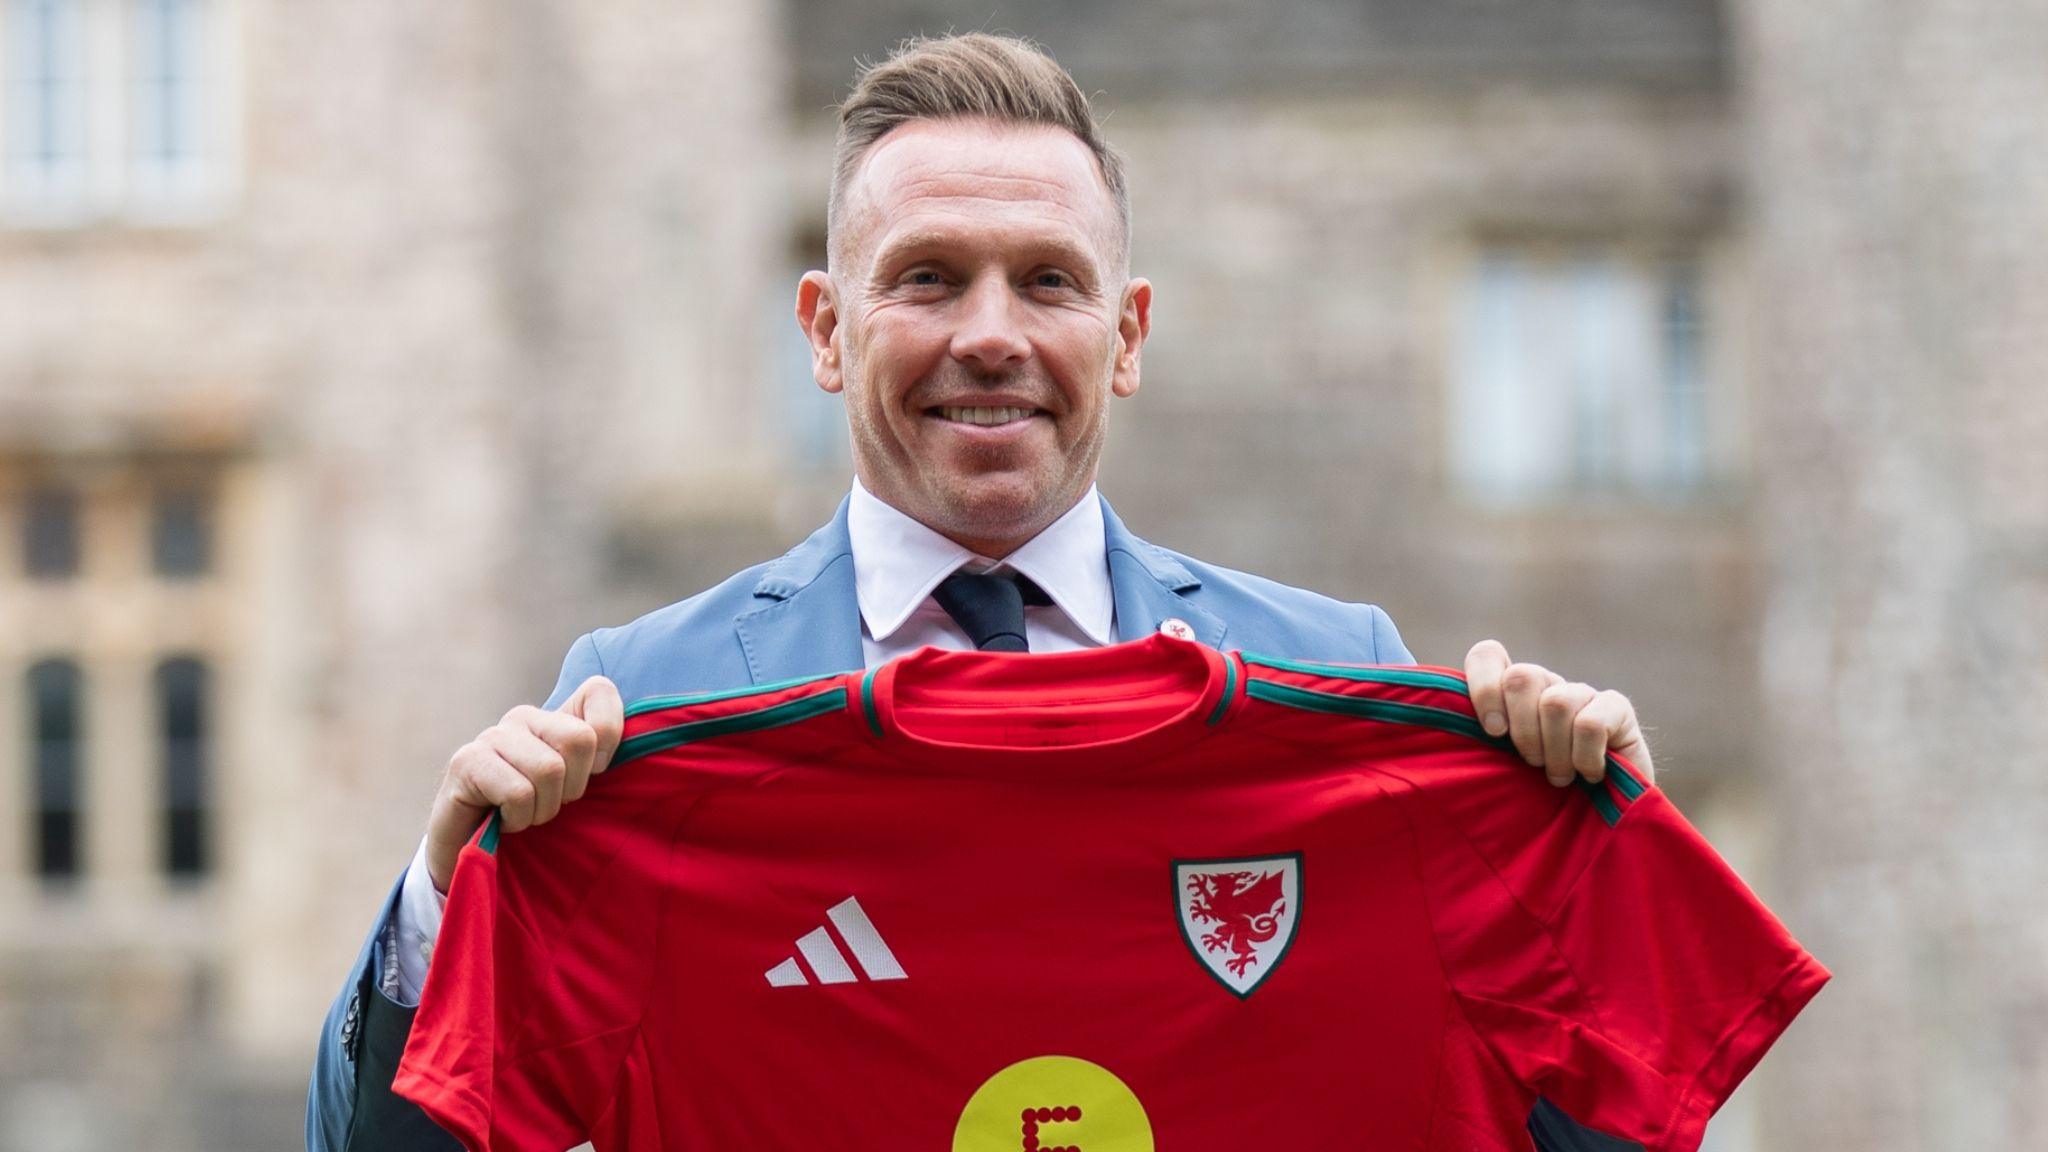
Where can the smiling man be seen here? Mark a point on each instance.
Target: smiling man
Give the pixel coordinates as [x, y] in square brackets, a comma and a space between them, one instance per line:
[979, 319]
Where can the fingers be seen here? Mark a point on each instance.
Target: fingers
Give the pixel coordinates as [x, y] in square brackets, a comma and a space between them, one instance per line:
[526, 766]
[1558, 710]
[596, 702]
[571, 739]
[1607, 722]
[1621, 733]
[543, 768]
[479, 779]
[1485, 665]
[533, 761]
[1523, 686]
[1565, 728]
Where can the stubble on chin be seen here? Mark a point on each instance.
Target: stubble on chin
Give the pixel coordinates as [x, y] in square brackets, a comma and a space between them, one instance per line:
[986, 508]
[1006, 510]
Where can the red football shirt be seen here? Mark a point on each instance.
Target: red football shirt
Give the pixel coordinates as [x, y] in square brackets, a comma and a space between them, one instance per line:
[1111, 900]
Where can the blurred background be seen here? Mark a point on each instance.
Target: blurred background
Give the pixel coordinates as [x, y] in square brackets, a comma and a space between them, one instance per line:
[355, 357]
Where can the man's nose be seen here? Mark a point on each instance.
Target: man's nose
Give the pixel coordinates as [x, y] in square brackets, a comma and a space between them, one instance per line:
[990, 335]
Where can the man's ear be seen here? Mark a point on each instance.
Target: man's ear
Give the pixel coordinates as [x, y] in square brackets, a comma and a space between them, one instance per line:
[1133, 324]
[817, 313]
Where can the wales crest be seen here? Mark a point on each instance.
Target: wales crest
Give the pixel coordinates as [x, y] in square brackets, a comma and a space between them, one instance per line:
[1239, 915]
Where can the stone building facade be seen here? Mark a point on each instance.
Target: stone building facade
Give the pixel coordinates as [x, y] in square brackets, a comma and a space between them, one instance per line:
[450, 254]
[1898, 204]
[354, 358]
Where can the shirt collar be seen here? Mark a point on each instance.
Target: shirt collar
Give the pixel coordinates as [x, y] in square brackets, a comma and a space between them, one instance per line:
[897, 561]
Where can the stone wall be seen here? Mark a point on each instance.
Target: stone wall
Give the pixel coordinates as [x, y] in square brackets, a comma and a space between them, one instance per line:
[1898, 170]
[483, 278]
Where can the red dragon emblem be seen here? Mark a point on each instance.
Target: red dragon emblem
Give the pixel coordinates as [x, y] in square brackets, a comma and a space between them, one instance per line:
[1246, 908]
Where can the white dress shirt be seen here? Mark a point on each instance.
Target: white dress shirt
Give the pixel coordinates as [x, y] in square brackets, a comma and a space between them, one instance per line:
[897, 561]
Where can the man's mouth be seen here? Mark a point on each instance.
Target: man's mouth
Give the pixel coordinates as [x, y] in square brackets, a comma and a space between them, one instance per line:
[985, 417]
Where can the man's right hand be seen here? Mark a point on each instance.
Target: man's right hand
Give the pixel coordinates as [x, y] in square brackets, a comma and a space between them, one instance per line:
[526, 766]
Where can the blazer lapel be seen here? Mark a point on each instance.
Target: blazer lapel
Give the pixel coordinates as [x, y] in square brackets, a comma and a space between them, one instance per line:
[805, 618]
[1147, 582]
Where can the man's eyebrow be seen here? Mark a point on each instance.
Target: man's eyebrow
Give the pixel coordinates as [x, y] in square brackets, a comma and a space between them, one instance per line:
[1048, 248]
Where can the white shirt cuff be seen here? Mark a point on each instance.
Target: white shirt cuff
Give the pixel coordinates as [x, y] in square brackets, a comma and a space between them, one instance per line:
[419, 922]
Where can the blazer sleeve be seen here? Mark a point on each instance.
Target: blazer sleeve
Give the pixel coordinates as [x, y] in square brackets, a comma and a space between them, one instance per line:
[349, 1104]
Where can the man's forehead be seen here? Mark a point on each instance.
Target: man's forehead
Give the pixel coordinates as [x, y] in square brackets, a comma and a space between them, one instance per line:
[928, 170]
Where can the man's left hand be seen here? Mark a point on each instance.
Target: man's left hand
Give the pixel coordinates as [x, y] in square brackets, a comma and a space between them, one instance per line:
[1560, 726]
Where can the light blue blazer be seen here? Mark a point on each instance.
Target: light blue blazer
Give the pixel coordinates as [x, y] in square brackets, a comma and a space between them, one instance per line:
[789, 618]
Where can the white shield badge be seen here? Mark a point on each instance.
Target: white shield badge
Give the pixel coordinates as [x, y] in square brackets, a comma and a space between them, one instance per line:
[1239, 915]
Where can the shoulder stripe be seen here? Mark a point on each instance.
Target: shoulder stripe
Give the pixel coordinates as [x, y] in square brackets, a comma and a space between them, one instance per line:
[1390, 711]
[1422, 715]
[657, 703]
[1407, 677]
[773, 716]
[1602, 799]
[1624, 780]
[867, 701]
[1229, 691]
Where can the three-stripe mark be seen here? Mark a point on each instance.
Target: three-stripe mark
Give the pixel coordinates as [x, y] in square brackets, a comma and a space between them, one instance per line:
[828, 963]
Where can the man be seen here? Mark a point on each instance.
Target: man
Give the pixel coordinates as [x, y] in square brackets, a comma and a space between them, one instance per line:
[978, 317]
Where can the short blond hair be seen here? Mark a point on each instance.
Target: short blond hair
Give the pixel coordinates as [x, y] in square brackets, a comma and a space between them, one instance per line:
[974, 75]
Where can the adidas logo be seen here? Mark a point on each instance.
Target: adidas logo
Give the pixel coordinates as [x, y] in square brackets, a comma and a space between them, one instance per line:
[828, 963]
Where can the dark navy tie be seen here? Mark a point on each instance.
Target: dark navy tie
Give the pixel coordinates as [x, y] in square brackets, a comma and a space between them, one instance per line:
[990, 608]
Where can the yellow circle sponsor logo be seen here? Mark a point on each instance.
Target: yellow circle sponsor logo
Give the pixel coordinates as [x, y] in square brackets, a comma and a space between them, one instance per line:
[1053, 1104]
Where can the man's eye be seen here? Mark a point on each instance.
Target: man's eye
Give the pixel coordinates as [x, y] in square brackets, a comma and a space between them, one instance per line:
[924, 278]
[1052, 280]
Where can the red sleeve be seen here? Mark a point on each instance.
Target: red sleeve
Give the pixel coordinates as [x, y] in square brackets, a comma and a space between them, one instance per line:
[537, 983]
[1608, 957]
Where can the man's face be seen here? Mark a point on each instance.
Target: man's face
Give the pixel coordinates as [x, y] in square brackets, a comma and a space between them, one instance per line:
[978, 320]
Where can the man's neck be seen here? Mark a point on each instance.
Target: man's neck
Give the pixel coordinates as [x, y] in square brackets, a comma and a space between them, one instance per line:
[993, 549]
[990, 548]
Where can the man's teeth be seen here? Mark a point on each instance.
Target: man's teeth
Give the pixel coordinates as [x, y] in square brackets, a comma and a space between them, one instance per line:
[985, 415]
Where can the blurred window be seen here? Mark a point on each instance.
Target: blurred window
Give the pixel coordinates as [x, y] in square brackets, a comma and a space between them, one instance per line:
[1579, 374]
[168, 71]
[182, 692]
[54, 709]
[181, 532]
[45, 98]
[168, 645]
[50, 543]
[114, 109]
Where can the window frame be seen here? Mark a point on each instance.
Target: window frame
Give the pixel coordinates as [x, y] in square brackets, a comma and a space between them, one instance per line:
[115, 180]
[1714, 479]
